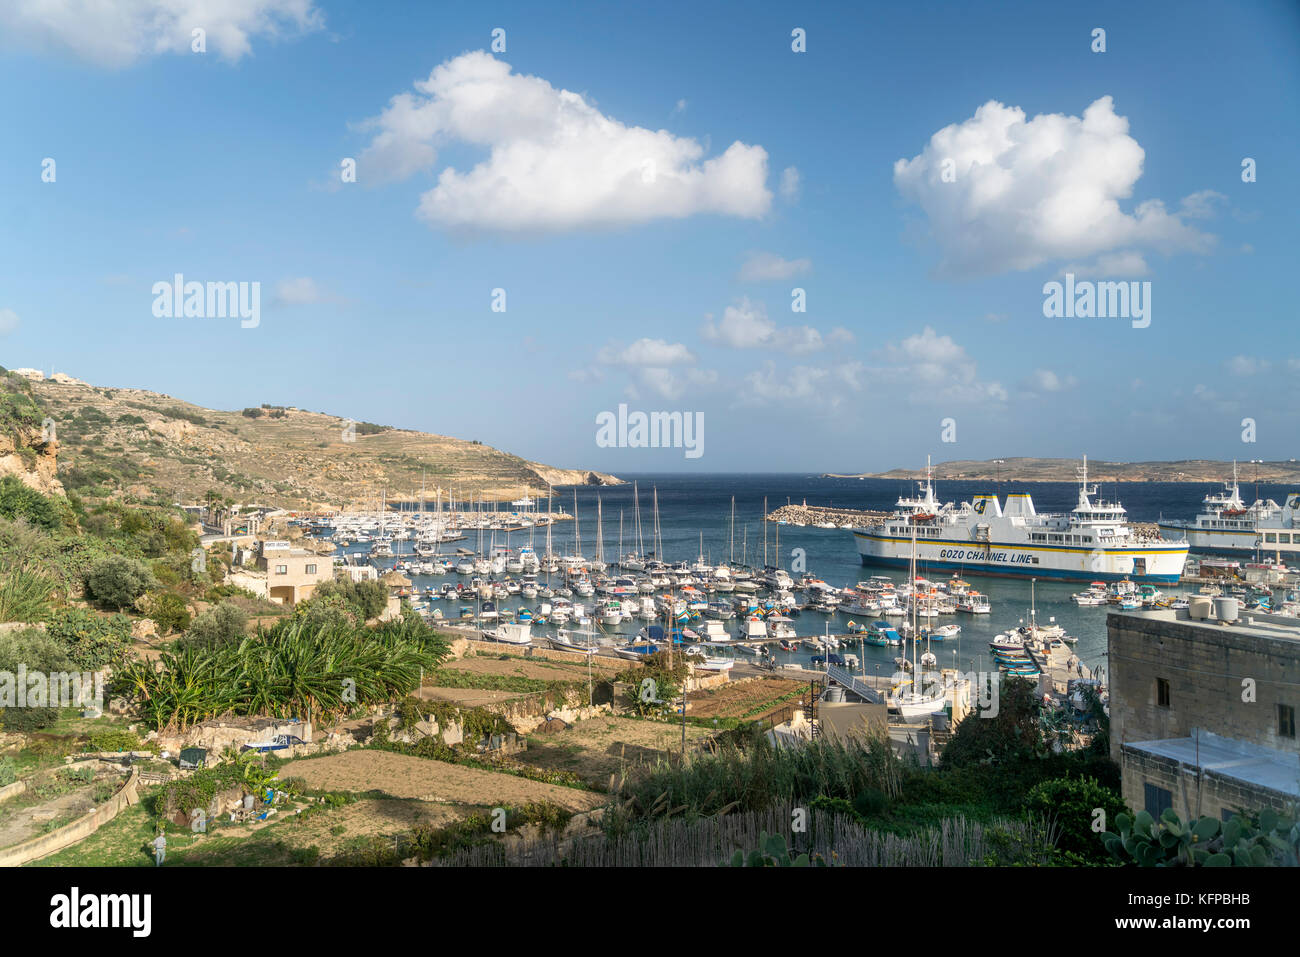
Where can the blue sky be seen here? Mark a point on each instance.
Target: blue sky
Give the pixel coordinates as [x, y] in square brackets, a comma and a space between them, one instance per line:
[671, 289]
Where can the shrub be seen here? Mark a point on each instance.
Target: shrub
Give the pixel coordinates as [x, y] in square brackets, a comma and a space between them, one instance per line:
[113, 741]
[1071, 804]
[90, 641]
[222, 623]
[367, 599]
[8, 771]
[168, 611]
[21, 501]
[118, 581]
[24, 593]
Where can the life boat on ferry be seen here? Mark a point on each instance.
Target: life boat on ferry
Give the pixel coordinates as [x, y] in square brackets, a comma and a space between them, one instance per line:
[1233, 512]
[924, 517]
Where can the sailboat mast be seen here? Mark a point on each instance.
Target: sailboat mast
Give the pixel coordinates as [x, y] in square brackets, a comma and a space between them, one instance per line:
[731, 555]
[765, 562]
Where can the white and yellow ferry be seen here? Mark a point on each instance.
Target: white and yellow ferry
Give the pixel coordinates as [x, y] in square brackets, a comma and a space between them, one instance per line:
[1094, 542]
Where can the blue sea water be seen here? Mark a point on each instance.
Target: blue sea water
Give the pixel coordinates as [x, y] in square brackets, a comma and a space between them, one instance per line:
[698, 508]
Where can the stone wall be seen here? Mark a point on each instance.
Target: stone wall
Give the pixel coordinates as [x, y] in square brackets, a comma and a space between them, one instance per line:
[1207, 797]
[70, 834]
[1205, 666]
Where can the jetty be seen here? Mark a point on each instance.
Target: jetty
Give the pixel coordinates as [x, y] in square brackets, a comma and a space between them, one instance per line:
[825, 516]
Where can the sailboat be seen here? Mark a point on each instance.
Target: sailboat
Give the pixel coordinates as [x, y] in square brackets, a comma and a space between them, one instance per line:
[915, 702]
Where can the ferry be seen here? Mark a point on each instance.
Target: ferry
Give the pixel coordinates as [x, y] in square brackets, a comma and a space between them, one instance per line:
[1227, 526]
[1094, 542]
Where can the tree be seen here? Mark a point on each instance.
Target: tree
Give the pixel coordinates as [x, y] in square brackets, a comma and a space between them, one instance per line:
[1012, 735]
[118, 581]
[218, 625]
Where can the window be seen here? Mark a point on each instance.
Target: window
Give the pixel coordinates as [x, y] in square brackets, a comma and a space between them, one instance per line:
[1286, 721]
[1162, 692]
[311, 569]
[1270, 536]
[282, 569]
[1227, 814]
[1156, 800]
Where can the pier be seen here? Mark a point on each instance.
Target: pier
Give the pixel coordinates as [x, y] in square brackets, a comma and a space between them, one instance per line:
[818, 515]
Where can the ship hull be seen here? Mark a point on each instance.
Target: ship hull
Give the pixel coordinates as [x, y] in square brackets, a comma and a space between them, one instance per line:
[1162, 564]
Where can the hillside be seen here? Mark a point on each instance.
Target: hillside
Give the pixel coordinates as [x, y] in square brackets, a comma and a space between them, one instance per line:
[1066, 470]
[155, 447]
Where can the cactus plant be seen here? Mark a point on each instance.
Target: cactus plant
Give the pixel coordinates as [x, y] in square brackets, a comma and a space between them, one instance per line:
[771, 852]
[1269, 839]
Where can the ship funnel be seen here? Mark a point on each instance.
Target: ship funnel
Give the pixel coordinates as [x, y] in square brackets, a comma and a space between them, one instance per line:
[1020, 503]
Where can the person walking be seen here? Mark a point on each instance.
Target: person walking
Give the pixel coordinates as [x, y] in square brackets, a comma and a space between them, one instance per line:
[160, 848]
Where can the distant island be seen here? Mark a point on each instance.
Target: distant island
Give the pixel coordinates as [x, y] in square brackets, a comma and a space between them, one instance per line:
[1066, 470]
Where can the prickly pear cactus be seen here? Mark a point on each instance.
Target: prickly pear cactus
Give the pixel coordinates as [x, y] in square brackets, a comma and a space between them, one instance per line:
[1267, 840]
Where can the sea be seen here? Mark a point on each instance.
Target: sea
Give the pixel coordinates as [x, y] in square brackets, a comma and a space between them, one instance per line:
[695, 512]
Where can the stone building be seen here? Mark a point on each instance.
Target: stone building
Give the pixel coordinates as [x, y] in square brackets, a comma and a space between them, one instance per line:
[1203, 709]
[292, 574]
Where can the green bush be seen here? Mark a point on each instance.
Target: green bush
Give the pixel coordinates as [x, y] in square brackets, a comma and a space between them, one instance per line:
[118, 581]
[90, 641]
[8, 771]
[168, 611]
[1071, 804]
[24, 593]
[218, 625]
[21, 501]
[114, 741]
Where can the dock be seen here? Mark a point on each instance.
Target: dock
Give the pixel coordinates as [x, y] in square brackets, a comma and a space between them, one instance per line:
[815, 515]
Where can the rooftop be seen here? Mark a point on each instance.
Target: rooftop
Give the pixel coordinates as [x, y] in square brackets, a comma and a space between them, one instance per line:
[1254, 623]
[1231, 758]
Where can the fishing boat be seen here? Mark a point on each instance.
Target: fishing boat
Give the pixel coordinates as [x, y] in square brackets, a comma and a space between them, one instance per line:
[564, 641]
[636, 652]
[511, 633]
[973, 603]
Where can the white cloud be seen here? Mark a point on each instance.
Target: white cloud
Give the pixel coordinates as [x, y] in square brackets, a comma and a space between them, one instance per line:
[1246, 365]
[1046, 380]
[815, 385]
[1110, 266]
[671, 384]
[1024, 192]
[746, 326]
[789, 184]
[8, 321]
[554, 161]
[301, 291]
[1201, 205]
[760, 267]
[680, 107]
[929, 367]
[116, 34]
[646, 352]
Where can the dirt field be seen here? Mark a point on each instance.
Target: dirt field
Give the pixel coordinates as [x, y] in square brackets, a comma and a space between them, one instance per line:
[403, 776]
[535, 668]
[598, 747]
[738, 700]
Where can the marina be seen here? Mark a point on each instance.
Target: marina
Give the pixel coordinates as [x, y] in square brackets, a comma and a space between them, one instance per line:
[741, 588]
